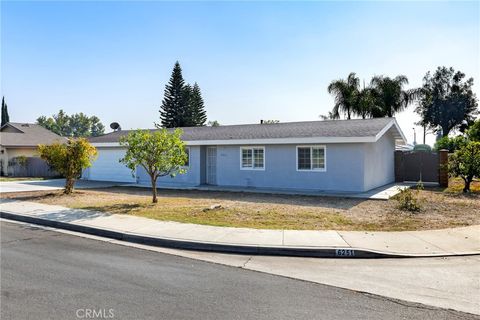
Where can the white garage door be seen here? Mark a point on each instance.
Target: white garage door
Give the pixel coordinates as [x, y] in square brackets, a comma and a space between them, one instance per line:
[107, 167]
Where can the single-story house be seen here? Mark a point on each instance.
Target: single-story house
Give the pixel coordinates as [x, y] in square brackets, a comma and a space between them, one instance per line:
[334, 155]
[21, 140]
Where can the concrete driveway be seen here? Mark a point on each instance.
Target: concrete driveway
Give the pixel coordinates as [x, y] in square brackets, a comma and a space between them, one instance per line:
[52, 184]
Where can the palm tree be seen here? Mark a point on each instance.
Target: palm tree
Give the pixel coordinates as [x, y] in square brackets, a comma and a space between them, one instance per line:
[365, 103]
[390, 97]
[345, 93]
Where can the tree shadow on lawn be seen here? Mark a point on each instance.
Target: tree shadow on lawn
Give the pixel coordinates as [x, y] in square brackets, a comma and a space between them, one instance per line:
[321, 201]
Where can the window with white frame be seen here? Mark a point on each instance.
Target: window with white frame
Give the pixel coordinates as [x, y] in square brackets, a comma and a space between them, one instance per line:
[311, 158]
[252, 158]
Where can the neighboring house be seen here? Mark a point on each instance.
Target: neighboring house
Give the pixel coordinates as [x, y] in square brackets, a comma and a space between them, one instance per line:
[20, 140]
[334, 155]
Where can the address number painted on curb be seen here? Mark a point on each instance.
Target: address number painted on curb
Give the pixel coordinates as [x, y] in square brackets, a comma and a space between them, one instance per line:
[345, 253]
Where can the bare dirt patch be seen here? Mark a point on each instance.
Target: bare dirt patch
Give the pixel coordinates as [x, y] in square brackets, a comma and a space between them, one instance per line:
[439, 209]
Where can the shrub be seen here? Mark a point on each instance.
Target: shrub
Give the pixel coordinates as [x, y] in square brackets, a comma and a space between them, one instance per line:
[69, 159]
[408, 199]
[450, 144]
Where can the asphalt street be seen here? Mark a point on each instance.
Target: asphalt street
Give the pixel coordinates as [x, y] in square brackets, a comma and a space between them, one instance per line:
[50, 275]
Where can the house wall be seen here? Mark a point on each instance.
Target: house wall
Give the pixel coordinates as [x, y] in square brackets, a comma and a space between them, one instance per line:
[349, 168]
[344, 169]
[190, 178]
[379, 162]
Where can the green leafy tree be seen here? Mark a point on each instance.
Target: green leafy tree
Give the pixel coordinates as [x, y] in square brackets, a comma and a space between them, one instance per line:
[213, 123]
[447, 101]
[450, 144]
[390, 96]
[174, 106]
[465, 163]
[196, 107]
[69, 159]
[345, 93]
[5, 116]
[76, 125]
[161, 153]
[473, 131]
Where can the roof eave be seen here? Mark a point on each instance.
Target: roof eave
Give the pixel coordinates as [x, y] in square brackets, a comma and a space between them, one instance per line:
[392, 123]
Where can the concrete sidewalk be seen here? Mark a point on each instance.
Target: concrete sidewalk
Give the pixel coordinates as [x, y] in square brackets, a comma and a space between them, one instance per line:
[446, 242]
[50, 184]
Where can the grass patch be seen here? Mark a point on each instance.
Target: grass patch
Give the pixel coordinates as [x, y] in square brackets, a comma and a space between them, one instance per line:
[439, 209]
[455, 185]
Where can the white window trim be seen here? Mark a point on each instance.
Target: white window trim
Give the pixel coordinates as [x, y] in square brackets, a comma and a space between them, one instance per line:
[189, 158]
[311, 158]
[253, 159]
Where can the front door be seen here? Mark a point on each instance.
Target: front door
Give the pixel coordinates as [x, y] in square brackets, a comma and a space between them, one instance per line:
[211, 165]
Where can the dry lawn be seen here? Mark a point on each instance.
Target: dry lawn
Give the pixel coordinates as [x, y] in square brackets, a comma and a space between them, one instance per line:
[440, 209]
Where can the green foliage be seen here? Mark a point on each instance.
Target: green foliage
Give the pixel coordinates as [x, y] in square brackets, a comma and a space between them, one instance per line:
[196, 107]
[213, 123]
[5, 116]
[160, 153]
[174, 103]
[446, 101]
[465, 163]
[389, 95]
[76, 125]
[450, 144]
[18, 161]
[345, 92]
[69, 159]
[473, 131]
[182, 105]
[407, 199]
[383, 98]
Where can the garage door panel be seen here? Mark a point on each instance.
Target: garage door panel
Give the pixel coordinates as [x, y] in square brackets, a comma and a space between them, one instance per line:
[108, 168]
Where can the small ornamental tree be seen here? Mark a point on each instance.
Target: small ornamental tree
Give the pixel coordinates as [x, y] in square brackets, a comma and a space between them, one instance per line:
[161, 153]
[69, 159]
[465, 163]
[473, 132]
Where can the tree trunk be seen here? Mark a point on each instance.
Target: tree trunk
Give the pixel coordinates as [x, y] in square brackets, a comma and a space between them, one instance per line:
[154, 190]
[466, 188]
[69, 185]
[445, 131]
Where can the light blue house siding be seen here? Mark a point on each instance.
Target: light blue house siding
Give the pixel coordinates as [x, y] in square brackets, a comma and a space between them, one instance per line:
[350, 167]
[379, 162]
[344, 169]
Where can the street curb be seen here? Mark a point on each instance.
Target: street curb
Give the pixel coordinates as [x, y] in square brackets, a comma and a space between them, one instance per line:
[314, 252]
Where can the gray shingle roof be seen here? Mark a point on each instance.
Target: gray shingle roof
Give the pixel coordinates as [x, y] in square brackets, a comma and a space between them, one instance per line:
[328, 128]
[26, 135]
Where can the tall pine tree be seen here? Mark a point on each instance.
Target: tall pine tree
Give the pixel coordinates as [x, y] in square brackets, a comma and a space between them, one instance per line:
[173, 109]
[5, 116]
[197, 107]
[188, 116]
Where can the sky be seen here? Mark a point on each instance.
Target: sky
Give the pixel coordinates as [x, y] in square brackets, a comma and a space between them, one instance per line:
[252, 60]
